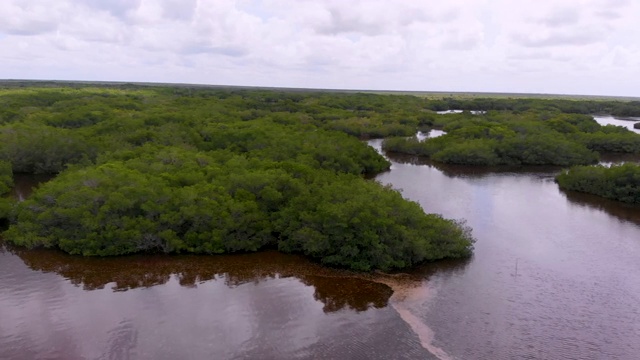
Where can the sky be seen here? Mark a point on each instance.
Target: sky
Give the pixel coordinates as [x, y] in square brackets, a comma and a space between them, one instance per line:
[588, 47]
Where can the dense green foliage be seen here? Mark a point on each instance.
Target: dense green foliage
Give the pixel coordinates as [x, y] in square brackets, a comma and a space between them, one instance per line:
[176, 200]
[217, 171]
[6, 182]
[42, 130]
[530, 138]
[618, 182]
[214, 170]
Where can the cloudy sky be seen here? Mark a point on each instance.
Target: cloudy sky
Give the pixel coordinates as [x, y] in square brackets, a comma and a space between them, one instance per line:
[531, 46]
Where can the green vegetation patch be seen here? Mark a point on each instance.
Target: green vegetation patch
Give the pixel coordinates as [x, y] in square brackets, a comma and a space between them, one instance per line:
[215, 170]
[175, 200]
[618, 182]
[179, 170]
[507, 138]
[6, 183]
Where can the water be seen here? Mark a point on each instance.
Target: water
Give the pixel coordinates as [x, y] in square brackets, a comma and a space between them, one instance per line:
[267, 306]
[474, 112]
[430, 134]
[25, 184]
[555, 275]
[610, 120]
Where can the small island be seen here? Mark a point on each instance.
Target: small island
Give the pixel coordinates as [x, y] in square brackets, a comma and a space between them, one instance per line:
[213, 171]
[618, 182]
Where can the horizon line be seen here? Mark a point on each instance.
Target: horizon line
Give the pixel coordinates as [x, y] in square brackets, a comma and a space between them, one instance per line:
[350, 90]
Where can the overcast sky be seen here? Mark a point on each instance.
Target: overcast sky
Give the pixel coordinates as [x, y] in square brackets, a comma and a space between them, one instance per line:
[531, 46]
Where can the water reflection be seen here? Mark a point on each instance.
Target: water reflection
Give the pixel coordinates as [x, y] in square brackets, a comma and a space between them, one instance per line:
[618, 158]
[336, 289]
[453, 171]
[622, 211]
[483, 203]
[262, 305]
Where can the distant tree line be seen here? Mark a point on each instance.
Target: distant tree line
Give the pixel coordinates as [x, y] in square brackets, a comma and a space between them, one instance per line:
[529, 138]
[611, 107]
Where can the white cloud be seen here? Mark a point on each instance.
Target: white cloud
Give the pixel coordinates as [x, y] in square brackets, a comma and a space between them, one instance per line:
[576, 36]
[484, 45]
[29, 17]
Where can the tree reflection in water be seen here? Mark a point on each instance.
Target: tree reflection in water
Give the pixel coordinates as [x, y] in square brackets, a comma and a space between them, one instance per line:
[336, 289]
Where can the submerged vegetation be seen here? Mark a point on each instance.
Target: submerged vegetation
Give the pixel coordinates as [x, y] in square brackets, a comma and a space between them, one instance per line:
[618, 182]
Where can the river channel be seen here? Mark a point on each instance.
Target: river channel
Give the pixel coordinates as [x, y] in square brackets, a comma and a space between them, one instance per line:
[555, 275]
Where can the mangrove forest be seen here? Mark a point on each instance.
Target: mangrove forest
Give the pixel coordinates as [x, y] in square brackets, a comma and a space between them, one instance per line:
[173, 170]
[211, 170]
[617, 182]
[518, 138]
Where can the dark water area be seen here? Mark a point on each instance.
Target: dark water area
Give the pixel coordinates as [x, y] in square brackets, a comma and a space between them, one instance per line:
[625, 212]
[555, 275]
[266, 305]
[617, 158]
[26, 183]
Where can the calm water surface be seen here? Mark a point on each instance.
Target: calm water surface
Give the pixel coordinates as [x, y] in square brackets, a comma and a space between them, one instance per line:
[266, 305]
[555, 276]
